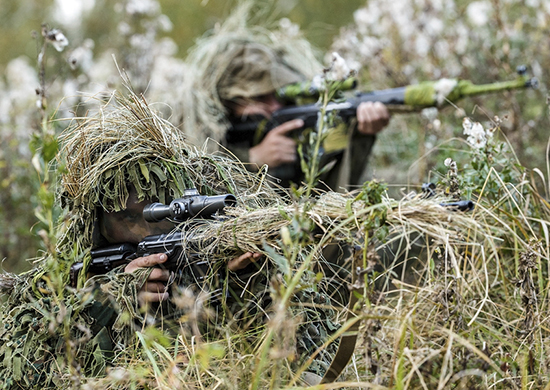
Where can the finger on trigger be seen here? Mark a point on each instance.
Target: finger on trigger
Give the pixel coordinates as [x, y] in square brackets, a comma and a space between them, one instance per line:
[146, 262]
[287, 127]
[152, 260]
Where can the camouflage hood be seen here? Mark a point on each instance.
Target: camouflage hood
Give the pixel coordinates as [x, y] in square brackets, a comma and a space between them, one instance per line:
[127, 144]
[242, 58]
[253, 70]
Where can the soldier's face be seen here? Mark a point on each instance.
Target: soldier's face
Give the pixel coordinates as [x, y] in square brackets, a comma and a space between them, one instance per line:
[264, 105]
[129, 225]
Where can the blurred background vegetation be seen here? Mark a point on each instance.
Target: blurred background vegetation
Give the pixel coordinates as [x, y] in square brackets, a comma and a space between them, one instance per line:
[390, 43]
[190, 19]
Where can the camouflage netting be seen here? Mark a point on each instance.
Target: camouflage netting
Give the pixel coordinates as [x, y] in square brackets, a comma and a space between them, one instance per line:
[284, 53]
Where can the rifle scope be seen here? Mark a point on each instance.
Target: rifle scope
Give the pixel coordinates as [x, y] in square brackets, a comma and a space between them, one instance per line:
[190, 205]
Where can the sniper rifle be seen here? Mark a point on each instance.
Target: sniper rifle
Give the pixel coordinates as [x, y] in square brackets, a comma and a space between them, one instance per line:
[403, 99]
[179, 245]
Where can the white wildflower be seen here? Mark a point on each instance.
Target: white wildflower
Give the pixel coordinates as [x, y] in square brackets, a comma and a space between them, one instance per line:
[478, 12]
[17, 96]
[408, 70]
[362, 17]
[466, 125]
[402, 13]
[124, 28]
[477, 137]
[477, 143]
[443, 88]
[57, 39]
[102, 73]
[442, 49]
[21, 81]
[144, 7]
[422, 44]
[166, 72]
[369, 46]
[139, 41]
[431, 141]
[339, 70]
[290, 29]
[366, 18]
[430, 113]
[70, 92]
[164, 23]
[448, 8]
[477, 130]
[462, 38]
[434, 27]
[450, 163]
[318, 82]
[70, 12]
[491, 130]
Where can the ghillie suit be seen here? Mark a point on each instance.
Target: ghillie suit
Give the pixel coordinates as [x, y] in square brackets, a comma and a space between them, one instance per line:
[245, 58]
[54, 335]
[218, 69]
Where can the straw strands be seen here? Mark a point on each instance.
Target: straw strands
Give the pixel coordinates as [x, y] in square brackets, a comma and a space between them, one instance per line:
[336, 217]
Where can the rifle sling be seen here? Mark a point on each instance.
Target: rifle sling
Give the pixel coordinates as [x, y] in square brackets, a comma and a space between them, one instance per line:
[348, 338]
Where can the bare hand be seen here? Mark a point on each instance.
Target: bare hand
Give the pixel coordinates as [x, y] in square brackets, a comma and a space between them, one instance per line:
[276, 148]
[243, 261]
[372, 117]
[154, 289]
